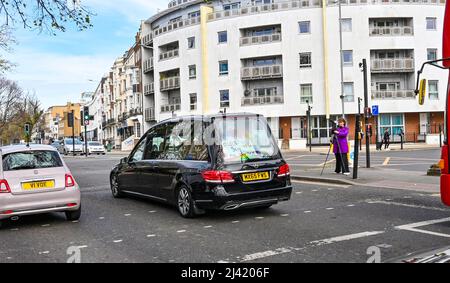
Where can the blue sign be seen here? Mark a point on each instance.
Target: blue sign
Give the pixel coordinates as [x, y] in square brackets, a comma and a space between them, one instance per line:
[375, 110]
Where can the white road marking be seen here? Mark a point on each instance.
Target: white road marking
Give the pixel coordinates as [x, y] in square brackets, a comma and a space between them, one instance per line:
[118, 241]
[330, 208]
[75, 221]
[284, 215]
[413, 227]
[314, 191]
[127, 214]
[152, 211]
[308, 211]
[101, 218]
[259, 218]
[181, 231]
[234, 222]
[345, 238]
[351, 205]
[222, 261]
[321, 184]
[265, 254]
[326, 163]
[151, 236]
[44, 253]
[15, 229]
[298, 193]
[46, 225]
[410, 205]
[386, 161]
[207, 227]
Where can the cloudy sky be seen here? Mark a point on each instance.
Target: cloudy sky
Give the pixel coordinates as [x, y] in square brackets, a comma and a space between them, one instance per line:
[58, 68]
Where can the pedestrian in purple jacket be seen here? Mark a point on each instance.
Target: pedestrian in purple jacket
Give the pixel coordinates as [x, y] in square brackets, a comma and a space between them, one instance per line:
[340, 144]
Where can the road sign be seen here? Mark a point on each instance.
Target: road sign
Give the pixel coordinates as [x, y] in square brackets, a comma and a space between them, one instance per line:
[86, 122]
[375, 110]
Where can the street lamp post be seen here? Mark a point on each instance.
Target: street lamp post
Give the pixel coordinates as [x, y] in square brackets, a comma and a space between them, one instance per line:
[308, 114]
[342, 59]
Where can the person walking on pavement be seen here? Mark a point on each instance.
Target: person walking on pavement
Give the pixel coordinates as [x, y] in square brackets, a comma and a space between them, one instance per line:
[340, 145]
[387, 139]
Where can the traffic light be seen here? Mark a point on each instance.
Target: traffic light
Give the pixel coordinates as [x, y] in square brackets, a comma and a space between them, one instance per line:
[70, 121]
[27, 129]
[86, 113]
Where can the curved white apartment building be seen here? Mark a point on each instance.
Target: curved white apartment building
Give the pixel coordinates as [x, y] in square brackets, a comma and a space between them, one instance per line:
[272, 57]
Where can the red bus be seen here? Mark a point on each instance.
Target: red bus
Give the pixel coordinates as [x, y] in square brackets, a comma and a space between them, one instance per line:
[443, 63]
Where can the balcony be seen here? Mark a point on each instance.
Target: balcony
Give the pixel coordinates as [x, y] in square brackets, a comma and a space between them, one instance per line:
[149, 89]
[150, 115]
[172, 107]
[391, 31]
[135, 112]
[262, 100]
[390, 95]
[263, 72]
[111, 121]
[170, 84]
[169, 54]
[147, 39]
[176, 25]
[392, 65]
[261, 39]
[148, 65]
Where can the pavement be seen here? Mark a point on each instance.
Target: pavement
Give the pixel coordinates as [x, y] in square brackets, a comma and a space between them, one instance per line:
[323, 222]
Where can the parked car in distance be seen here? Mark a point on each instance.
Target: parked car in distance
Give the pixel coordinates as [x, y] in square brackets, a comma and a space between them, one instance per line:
[56, 145]
[94, 147]
[67, 147]
[174, 163]
[34, 180]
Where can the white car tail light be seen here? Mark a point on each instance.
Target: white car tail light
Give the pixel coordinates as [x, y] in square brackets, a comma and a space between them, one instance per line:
[70, 181]
[4, 187]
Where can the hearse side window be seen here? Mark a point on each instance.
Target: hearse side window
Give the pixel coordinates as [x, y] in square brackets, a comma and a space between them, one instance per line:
[184, 141]
[155, 144]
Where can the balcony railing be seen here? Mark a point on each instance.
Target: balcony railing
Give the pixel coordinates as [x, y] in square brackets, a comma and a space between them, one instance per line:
[170, 83]
[392, 65]
[261, 39]
[110, 121]
[261, 100]
[299, 4]
[149, 89]
[148, 65]
[263, 72]
[169, 54]
[147, 39]
[135, 112]
[389, 95]
[176, 25]
[391, 31]
[150, 115]
[174, 106]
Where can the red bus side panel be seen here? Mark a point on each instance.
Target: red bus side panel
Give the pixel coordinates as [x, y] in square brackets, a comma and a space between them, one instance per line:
[445, 178]
[446, 39]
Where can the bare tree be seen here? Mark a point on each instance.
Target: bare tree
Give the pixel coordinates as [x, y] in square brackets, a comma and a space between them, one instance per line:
[6, 42]
[49, 15]
[11, 97]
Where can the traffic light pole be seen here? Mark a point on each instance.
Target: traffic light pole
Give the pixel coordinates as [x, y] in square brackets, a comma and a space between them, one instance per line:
[85, 139]
[73, 133]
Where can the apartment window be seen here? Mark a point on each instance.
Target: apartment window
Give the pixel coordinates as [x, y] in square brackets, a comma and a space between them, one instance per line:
[174, 20]
[432, 54]
[191, 42]
[347, 56]
[192, 72]
[223, 37]
[305, 60]
[431, 23]
[304, 27]
[232, 6]
[223, 68]
[194, 14]
[346, 25]
[224, 98]
[261, 2]
[349, 92]
[433, 91]
[306, 93]
[193, 101]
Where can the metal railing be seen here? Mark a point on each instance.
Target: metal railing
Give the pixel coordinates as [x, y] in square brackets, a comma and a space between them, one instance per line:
[392, 65]
[150, 114]
[176, 25]
[397, 94]
[392, 31]
[262, 72]
[261, 100]
[148, 65]
[174, 106]
[170, 83]
[149, 89]
[260, 39]
[299, 4]
[147, 39]
[169, 54]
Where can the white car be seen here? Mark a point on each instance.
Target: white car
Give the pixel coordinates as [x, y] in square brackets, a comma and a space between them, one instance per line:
[68, 147]
[95, 148]
[33, 180]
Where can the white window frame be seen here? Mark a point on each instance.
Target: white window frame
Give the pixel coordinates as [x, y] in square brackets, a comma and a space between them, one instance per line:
[433, 95]
[192, 67]
[303, 98]
[305, 66]
[300, 29]
[433, 21]
[352, 95]
[349, 21]
[347, 64]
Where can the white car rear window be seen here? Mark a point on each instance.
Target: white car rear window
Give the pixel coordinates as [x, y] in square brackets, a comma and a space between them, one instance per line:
[31, 160]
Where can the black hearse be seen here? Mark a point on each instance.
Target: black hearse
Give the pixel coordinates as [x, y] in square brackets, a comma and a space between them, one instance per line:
[197, 163]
